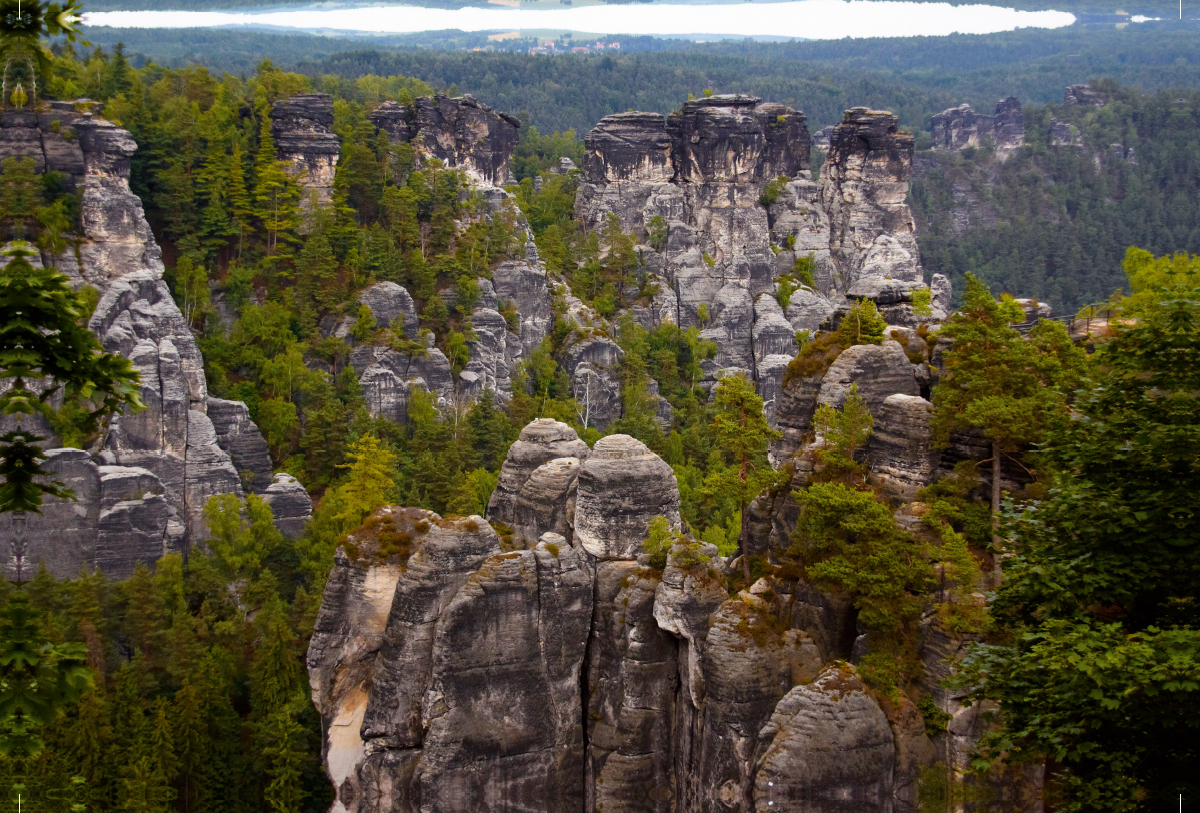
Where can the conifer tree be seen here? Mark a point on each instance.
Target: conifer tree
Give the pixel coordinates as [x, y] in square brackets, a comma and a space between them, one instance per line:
[743, 433]
[369, 483]
[1098, 673]
[240, 206]
[998, 382]
[276, 196]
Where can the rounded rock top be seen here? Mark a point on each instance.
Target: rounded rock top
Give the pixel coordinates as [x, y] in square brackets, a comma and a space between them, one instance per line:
[620, 447]
[547, 430]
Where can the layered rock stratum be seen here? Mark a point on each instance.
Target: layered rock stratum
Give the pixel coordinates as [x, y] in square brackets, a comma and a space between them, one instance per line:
[141, 490]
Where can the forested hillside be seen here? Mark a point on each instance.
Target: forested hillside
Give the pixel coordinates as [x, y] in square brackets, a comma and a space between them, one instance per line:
[912, 77]
[1054, 221]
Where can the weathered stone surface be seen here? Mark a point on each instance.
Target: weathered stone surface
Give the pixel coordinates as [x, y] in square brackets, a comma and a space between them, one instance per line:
[1010, 126]
[503, 711]
[238, 436]
[864, 185]
[525, 285]
[466, 134]
[346, 640]
[119, 239]
[445, 554]
[540, 442]
[626, 147]
[1064, 134]
[303, 130]
[546, 502]
[290, 504]
[903, 460]
[747, 667]
[390, 302]
[429, 370]
[1083, 95]
[940, 288]
[773, 334]
[597, 390]
[63, 537]
[632, 679]
[488, 366]
[828, 744]
[960, 127]
[171, 447]
[622, 486]
[878, 370]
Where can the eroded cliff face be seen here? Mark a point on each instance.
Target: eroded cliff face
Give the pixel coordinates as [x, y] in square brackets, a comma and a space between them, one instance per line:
[465, 665]
[143, 487]
[727, 178]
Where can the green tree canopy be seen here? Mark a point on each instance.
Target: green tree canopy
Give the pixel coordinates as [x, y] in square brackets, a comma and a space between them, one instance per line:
[1101, 670]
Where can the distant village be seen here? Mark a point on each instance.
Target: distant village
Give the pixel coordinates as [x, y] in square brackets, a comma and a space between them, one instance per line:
[549, 46]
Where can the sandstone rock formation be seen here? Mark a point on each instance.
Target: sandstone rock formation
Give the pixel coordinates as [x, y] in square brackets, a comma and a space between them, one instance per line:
[961, 127]
[303, 130]
[142, 492]
[460, 131]
[728, 177]
[540, 442]
[454, 673]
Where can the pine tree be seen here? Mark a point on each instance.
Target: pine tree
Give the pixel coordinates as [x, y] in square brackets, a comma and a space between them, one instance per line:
[276, 196]
[316, 271]
[1097, 669]
[743, 434]
[370, 482]
[189, 735]
[240, 212]
[996, 381]
[285, 756]
[275, 672]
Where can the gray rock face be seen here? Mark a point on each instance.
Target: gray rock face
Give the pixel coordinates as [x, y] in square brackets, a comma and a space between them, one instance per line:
[64, 536]
[525, 285]
[179, 457]
[632, 677]
[546, 502]
[408, 654]
[290, 504]
[827, 743]
[1083, 95]
[1010, 126]
[444, 555]
[864, 184]
[878, 370]
[460, 131]
[961, 127]
[240, 439]
[597, 390]
[388, 395]
[1064, 134]
[303, 129]
[390, 302]
[903, 460]
[347, 637]
[628, 146]
[622, 486]
[520, 622]
[540, 442]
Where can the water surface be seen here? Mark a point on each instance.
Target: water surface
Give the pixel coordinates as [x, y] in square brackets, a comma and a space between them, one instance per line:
[808, 19]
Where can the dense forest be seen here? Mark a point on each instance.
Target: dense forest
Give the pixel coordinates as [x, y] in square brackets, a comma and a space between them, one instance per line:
[1054, 222]
[913, 77]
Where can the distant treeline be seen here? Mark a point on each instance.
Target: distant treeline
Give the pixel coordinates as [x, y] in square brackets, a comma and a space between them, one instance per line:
[914, 77]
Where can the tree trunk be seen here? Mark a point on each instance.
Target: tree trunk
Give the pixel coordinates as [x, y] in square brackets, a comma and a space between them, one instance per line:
[996, 494]
[745, 551]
